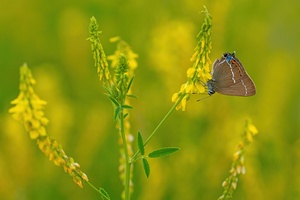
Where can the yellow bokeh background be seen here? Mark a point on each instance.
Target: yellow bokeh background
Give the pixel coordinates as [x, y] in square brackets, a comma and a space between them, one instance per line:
[51, 38]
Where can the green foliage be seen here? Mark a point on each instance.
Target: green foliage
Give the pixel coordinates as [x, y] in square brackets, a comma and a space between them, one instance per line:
[163, 152]
[146, 167]
[140, 144]
[105, 195]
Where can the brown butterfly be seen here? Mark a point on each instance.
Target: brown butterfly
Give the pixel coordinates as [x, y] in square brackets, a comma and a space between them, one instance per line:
[230, 78]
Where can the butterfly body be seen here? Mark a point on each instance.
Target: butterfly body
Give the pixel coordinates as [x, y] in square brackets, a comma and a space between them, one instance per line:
[230, 78]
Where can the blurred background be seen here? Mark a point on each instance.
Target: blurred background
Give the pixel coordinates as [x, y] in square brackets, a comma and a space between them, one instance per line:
[51, 38]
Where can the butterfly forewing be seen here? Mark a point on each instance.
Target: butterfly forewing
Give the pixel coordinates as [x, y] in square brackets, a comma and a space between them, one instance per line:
[227, 73]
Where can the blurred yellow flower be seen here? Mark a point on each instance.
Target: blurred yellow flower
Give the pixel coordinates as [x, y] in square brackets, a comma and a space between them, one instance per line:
[28, 110]
[250, 131]
[125, 49]
[238, 164]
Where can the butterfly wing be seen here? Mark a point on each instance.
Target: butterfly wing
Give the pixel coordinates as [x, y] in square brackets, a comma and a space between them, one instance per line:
[227, 73]
[243, 87]
[230, 77]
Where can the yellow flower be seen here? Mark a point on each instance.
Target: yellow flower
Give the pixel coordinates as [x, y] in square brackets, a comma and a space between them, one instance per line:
[200, 87]
[190, 72]
[199, 74]
[238, 164]
[250, 131]
[183, 104]
[125, 49]
[175, 97]
[28, 110]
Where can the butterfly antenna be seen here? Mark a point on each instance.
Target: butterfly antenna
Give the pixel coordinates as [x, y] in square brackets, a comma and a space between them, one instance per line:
[203, 98]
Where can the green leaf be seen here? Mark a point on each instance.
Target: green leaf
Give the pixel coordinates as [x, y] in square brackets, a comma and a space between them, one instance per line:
[129, 84]
[125, 115]
[104, 194]
[117, 112]
[127, 107]
[132, 96]
[114, 101]
[163, 152]
[107, 90]
[140, 143]
[146, 167]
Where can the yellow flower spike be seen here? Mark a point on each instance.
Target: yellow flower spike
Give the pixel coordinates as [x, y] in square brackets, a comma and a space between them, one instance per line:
[28, 110]
[123, 49]
[198, 74]
[238, 164]
[98, 52]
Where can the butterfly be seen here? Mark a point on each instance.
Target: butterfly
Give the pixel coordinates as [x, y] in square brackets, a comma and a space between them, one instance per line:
[230, 78]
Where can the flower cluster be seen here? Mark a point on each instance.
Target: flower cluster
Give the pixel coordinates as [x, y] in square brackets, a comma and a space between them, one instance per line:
[121, 77]
[238, 166]
[125, 49]
[28, 110]
[56, 154]
[28, 107]
[98, 52]
[199, 73]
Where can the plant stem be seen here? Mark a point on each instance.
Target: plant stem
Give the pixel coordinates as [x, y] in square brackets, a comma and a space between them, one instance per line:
[158, 126]
[92, 186]
[127, 158]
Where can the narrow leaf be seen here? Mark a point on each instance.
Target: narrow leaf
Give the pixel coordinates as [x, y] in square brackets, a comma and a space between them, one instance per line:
[104, 194]
[127, 106]
[163, 152]
[132, 96]
[146, 167]
[107, 90]
[140, 143]
[129, 84]
[125, 115]
[114, 101]
[117, 112]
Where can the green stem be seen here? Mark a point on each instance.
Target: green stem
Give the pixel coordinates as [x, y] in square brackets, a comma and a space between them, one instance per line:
[92, 186]
[158, 126]
[127, 158]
